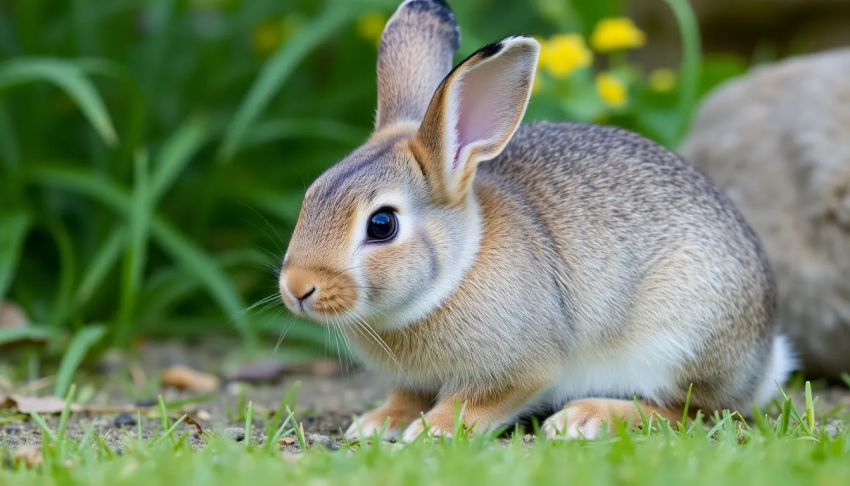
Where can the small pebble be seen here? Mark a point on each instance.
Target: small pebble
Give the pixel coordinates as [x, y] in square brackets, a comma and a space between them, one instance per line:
[125, 420]
[12, 429]
[832, 430]
[323, 440]
[119, 451]
[147, 402]
[235, 433]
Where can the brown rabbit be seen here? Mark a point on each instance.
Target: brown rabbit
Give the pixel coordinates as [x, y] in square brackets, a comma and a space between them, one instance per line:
[777, 141]
[508, 269]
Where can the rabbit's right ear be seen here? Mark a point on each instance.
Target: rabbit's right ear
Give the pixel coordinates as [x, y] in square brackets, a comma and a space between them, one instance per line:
[416, 52]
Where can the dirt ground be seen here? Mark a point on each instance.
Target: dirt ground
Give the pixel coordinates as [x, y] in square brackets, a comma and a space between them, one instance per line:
[326, 403]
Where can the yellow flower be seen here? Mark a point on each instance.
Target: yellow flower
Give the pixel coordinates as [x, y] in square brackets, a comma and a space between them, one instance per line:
[565, 53]
[662, 80]
[267, 36]
[370, 26]
[616, 33]
[270, 34]
[611, 90]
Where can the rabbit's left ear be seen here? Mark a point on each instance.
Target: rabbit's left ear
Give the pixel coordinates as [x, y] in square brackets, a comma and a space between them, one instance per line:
[474, 113]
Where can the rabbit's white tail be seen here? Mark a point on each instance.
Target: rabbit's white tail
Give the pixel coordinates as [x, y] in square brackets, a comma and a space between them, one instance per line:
[782, 362]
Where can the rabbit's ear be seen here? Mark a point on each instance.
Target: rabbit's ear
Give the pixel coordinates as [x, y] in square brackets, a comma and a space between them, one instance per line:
[474, 114]
[416, 52]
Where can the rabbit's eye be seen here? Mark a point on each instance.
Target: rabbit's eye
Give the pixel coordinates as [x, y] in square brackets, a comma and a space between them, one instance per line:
[382, 225]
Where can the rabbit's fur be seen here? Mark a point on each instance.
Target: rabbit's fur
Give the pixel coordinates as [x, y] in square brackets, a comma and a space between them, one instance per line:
[577, 264]
[777, 141]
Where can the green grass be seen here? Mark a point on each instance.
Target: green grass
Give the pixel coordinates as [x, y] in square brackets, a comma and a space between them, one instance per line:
[720, 450]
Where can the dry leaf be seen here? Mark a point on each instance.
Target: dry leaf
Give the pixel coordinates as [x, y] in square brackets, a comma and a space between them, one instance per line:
[186, 378]
[12, 316]
[29, 454]
[35, 404]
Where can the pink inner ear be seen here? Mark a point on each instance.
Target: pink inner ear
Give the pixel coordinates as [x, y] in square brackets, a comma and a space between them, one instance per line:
[472, 123]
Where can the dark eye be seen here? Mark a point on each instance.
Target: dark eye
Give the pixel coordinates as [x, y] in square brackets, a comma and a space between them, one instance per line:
[382, 225]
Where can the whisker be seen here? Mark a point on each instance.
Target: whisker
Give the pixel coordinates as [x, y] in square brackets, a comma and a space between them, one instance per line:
[283, 334]
[269, 225]
[366, 327]
[248, 309]
[274, 257]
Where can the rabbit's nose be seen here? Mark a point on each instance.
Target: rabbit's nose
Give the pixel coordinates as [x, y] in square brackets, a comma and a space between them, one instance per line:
[307, 293]
[300, 286]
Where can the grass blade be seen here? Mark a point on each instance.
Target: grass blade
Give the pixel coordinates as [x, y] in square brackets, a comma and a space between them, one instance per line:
[762, 424]
[170, 432]
[685, 411]
[139, 441]
[67, 272]
[176, 155]
[10, 335]
[163, 411]
[192, 258]
[689, 73]
[785, 418]
[278, 69]
[72, 358]
[249, 421]
[810, 408]
[63, 422]
[10, 154]
[45, 429]
[13, 231]
[140, 215]
[286, 403]
[104, 260]
[178, 246]
[69, 78]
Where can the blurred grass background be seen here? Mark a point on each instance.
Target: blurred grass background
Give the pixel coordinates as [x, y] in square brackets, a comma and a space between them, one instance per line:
[153, 153]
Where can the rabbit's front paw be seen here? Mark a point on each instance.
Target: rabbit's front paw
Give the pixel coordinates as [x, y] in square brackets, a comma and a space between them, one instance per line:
[368, 424]
[586, 418]
[574, 421]
[438, 426]
[403, 408]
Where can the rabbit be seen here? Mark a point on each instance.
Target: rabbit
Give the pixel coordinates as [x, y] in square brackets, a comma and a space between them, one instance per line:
[777, 142]
[500, 270]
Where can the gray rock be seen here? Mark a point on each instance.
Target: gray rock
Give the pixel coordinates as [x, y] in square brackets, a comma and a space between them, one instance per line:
[324, 440]
[124, 420]
[235, 433]
[832, 430]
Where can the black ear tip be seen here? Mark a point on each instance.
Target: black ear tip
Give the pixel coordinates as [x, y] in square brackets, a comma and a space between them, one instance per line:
[436, 7]
[491, 49]
[495, 47]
